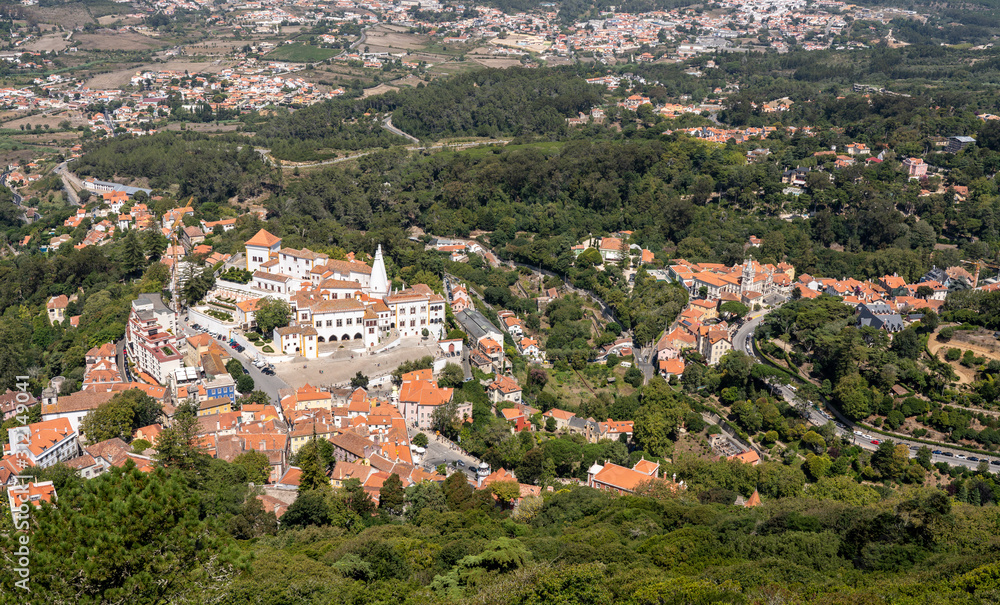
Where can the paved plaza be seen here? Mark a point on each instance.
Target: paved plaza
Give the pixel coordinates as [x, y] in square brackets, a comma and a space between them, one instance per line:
[338, 369]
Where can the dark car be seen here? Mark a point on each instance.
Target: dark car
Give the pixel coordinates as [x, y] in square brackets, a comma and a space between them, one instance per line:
[245, 371]
[460, 463]
[937, 452]
[949, 454]
[995, 462]
[973, 459]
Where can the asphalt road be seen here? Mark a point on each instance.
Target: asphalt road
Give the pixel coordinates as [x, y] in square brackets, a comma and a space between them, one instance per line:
[387, 124]
[262, 382]
[442, 451]
[819, 414]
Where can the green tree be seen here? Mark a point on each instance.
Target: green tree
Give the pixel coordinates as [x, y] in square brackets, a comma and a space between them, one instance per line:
[133, 255]
[357, 499]
[853, 396]
[256, 466]
[457, 491]
[452, 376]
[244, 384]
[155, 514]
[734, 309]
[313, 475]
[506, 491]
[426, 495]
[420, 440]
[359, 381]
[177, 446]
[253, 521]
[309, 508]
[391, 496]
[121, 416]
[634, 377]
[907, 343]
[272, 313]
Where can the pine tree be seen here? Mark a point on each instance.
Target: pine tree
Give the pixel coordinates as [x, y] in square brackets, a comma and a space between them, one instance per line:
[357, 499]
[390, 496]
[313, 475]
[133, 255]
[124, 537]
[177, 446]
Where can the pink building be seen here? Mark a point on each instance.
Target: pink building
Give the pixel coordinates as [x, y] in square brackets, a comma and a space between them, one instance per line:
[915, 167]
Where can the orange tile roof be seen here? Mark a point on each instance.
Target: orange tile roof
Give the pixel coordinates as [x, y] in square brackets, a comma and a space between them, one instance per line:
[263, 239]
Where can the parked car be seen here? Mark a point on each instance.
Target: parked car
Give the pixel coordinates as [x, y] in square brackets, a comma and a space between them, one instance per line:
[245, 370]
[937, 452]
[972, 459]
[875, 442]
[460, 463]
[995, 462]
[949, 454]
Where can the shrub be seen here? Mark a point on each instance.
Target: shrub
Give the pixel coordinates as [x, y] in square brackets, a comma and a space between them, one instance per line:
[267, 349]
[952, 354]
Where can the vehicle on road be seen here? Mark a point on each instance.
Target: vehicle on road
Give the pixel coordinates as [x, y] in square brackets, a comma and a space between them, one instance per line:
[972, 459]
[875, 442]
[937, 452]
[460, 463]
[995, 462]
[949, 454]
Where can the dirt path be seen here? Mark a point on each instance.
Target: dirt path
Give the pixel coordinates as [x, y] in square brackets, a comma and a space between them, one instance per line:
[965, 375]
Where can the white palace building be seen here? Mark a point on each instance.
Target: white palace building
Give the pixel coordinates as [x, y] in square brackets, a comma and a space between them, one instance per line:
[338, 300]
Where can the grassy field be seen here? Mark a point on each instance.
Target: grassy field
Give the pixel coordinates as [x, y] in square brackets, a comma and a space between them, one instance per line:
[301, 53]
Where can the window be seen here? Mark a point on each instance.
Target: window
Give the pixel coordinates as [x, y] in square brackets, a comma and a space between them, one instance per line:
[340, 322]
[329, 323]
[423, 322]
[413, 323]
[319, 324]
[350, 320]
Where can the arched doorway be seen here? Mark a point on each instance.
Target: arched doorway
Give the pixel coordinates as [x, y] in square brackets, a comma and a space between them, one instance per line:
[320, 339]
[358, 336]
[333, 338]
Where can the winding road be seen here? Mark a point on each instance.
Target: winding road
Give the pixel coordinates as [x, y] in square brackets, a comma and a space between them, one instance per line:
[859, 435]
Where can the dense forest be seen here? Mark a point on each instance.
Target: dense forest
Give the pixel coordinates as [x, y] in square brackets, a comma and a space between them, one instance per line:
[208, 169]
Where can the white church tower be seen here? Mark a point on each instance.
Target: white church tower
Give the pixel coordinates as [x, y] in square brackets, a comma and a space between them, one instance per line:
[379, 285]
[749, 275]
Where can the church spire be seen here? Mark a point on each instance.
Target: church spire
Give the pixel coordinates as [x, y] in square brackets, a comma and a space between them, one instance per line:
[379, 285]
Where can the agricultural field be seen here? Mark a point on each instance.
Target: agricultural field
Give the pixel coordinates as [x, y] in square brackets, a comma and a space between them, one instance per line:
[301, 53]
[49, 43]
[387, 38]
[70, 16]
[112, 40]
[121, 77]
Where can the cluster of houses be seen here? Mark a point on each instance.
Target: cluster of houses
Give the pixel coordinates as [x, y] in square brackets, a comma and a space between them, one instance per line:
[888, 303]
